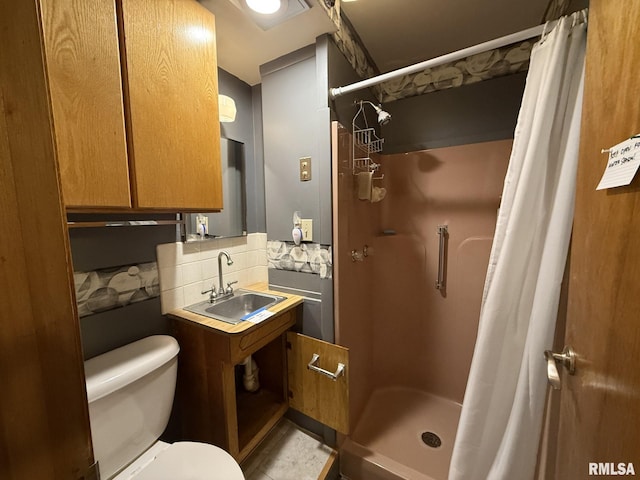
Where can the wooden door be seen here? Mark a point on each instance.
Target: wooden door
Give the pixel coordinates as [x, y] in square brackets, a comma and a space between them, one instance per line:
[312, 393]
[44, 420]
[172, 78]
[83, 65]
[600, 405]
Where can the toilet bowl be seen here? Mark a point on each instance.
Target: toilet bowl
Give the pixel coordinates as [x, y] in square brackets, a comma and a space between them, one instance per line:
[130, 392]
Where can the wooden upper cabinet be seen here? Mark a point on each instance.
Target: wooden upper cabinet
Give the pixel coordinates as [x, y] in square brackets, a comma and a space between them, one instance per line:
[83, 65]
[171, 72]
[134, 92]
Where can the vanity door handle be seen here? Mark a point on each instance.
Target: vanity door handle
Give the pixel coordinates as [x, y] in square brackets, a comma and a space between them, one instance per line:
[312, 365]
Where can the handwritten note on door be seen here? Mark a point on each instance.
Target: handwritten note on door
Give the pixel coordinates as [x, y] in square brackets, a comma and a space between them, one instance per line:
[622, 165]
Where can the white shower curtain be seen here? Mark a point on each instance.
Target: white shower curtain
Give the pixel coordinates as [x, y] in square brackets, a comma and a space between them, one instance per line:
[503, 406]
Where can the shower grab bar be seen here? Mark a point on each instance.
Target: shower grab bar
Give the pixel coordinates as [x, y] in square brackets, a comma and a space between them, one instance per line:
[312, 365]
[443, 231]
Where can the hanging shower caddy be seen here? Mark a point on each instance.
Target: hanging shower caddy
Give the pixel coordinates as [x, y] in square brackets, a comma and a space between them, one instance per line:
[365, 142]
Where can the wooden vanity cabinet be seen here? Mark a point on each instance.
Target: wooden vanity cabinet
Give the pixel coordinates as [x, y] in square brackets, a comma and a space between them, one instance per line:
[135, 103]
[211, 403]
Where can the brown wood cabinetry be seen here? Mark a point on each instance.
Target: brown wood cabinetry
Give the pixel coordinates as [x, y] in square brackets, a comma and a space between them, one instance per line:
[83, 68]
[135, 103]
[211, 402]
[43, 408]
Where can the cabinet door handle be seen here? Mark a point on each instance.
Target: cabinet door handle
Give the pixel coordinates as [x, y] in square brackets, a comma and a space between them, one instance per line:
[312, 365]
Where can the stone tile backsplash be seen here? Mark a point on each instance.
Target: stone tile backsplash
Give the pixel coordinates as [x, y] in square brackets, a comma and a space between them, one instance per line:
[306, 257]
[186, 269]
[108, 288]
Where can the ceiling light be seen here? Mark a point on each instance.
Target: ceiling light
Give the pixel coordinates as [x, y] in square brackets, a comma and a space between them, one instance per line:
[227, 108]
[264, 6]
[288, 9]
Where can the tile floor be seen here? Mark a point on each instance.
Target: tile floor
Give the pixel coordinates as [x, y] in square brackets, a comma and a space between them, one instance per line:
[288, 453]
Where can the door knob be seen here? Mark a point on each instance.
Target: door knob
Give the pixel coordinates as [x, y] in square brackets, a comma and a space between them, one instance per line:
[567, 359]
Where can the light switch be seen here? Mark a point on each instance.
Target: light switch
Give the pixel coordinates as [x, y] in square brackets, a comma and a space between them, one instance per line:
[306, 225]
[305, 169]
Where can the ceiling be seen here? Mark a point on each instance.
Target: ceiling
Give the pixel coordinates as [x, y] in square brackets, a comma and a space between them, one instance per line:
[396, 33]
[243, 46]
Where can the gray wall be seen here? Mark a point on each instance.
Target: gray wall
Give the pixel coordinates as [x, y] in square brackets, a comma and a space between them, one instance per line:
[248, 122]
[104, 247]
[296, 119]
[341, 73]
[256, 208]
[474, 113]
[291, 131]
[296, 115]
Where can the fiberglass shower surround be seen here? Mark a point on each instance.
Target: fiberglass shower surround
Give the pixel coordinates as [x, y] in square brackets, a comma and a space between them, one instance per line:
[365, 328]
[395, 401]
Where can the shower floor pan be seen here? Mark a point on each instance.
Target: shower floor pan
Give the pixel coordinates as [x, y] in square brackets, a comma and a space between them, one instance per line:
[387, 443]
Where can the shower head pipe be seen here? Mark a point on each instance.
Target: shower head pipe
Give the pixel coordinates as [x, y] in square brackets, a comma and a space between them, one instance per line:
[383, 116]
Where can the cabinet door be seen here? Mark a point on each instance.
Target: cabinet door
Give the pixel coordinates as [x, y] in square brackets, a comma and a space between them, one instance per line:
[312, 393]
[174, 135]
[44, 418]
[83, 67]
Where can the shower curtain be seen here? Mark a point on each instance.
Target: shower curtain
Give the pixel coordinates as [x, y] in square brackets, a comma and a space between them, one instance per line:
[502, 412]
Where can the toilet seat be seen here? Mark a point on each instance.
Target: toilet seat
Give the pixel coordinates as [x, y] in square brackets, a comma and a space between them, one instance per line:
[193, 461]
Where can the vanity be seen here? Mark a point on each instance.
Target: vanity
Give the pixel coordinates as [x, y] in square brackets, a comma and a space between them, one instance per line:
[295, 371]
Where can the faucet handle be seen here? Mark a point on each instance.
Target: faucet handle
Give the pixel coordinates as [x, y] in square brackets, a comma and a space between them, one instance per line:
[212, 293]
[229, 288]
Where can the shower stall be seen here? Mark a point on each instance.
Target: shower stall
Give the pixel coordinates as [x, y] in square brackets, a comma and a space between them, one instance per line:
[410, 342]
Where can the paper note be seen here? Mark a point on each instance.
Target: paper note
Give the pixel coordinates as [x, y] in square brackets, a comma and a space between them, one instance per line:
[258, 316]
[622, 165]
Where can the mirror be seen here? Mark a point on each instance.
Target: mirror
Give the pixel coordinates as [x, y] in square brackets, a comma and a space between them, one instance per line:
[231, 221]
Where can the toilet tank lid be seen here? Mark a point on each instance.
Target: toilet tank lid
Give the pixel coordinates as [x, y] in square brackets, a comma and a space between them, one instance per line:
[113, 370]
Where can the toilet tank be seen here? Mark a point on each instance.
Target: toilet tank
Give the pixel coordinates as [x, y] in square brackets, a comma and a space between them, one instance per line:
[130, 392]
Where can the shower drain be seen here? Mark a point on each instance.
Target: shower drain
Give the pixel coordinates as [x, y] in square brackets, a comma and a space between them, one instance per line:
[431, 439]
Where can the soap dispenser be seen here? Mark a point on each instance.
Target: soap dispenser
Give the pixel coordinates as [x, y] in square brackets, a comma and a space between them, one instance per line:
[296, 233]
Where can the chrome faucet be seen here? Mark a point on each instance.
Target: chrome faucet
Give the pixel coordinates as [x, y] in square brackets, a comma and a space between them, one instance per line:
[221, 292]
[221, 289]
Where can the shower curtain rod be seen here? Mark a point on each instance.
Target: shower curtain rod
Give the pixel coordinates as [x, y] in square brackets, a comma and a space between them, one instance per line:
[434, 62]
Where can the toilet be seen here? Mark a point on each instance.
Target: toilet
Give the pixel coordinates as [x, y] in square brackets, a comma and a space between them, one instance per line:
[130, 392]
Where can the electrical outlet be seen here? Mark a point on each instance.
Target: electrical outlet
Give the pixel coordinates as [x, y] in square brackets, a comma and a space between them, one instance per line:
[306, 225]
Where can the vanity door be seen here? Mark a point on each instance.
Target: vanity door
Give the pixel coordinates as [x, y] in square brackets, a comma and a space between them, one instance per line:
[318, 379]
